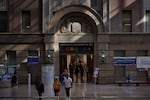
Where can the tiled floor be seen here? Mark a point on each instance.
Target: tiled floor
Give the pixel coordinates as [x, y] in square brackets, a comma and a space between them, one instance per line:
[82, 90]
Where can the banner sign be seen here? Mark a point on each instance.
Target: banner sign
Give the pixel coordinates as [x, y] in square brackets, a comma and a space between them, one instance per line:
[33, 59]
[124, 60]
[143, 63]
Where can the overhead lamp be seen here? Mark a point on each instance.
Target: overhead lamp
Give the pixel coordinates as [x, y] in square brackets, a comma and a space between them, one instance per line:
[103, 56]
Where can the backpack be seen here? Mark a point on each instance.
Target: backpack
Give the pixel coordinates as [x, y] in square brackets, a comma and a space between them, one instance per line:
[56, 85]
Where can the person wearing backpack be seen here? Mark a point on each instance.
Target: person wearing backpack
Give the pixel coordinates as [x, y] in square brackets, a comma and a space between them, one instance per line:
[40, 88]
[56, 87]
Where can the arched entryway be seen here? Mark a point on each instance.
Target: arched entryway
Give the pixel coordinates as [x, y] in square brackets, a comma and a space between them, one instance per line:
[75, 29]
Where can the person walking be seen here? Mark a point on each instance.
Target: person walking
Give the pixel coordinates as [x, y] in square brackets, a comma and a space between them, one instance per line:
[94, 77]
[81, 70]
[67, 84]
[14, 80]
[56, 87]
[62, 76]
[40, 88]
[71, 70]
[77, 69]
[87, 73]
[128, 79]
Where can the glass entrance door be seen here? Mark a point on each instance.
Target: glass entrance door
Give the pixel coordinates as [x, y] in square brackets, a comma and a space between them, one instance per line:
[76, 59]
[79, 67]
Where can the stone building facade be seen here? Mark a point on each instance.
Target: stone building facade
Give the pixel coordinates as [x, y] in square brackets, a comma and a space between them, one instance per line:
[93, 31]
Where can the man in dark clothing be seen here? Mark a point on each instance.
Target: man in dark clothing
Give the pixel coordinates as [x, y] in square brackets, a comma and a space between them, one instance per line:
[81, 70]
[76, 72]
[71, 70]
[40, 88]
[14, 80]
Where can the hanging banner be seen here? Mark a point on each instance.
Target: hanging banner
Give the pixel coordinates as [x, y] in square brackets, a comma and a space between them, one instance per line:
[143, 63]
[124, 61]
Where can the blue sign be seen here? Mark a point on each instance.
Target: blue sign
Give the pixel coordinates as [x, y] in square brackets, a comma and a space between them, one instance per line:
[33, 60]
[124, 60]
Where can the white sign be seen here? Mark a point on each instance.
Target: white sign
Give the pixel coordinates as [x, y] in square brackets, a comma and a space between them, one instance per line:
[48, 75]
[143, 63]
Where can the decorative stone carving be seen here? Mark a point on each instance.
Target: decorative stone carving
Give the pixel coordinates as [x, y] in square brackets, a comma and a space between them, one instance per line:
[76, 27]
[76, 24]
[63, 29]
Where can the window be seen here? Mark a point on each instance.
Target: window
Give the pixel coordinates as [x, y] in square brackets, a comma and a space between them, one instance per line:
[3, 5]
[142, 53]
[33, 53]
[3, 21]
[12, 61]
[147, 26]
[26, 19]
[57, 4]
[98, 6]
[127, 21]
[119, 53]
[11, 57]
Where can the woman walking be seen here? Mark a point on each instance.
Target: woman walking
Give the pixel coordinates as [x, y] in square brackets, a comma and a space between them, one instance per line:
[56, 87]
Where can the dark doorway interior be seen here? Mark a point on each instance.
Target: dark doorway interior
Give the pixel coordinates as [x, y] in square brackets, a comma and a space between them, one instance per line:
[77, 60]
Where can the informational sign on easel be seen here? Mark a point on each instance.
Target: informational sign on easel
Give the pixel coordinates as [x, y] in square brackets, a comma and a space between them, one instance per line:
[48, 75]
